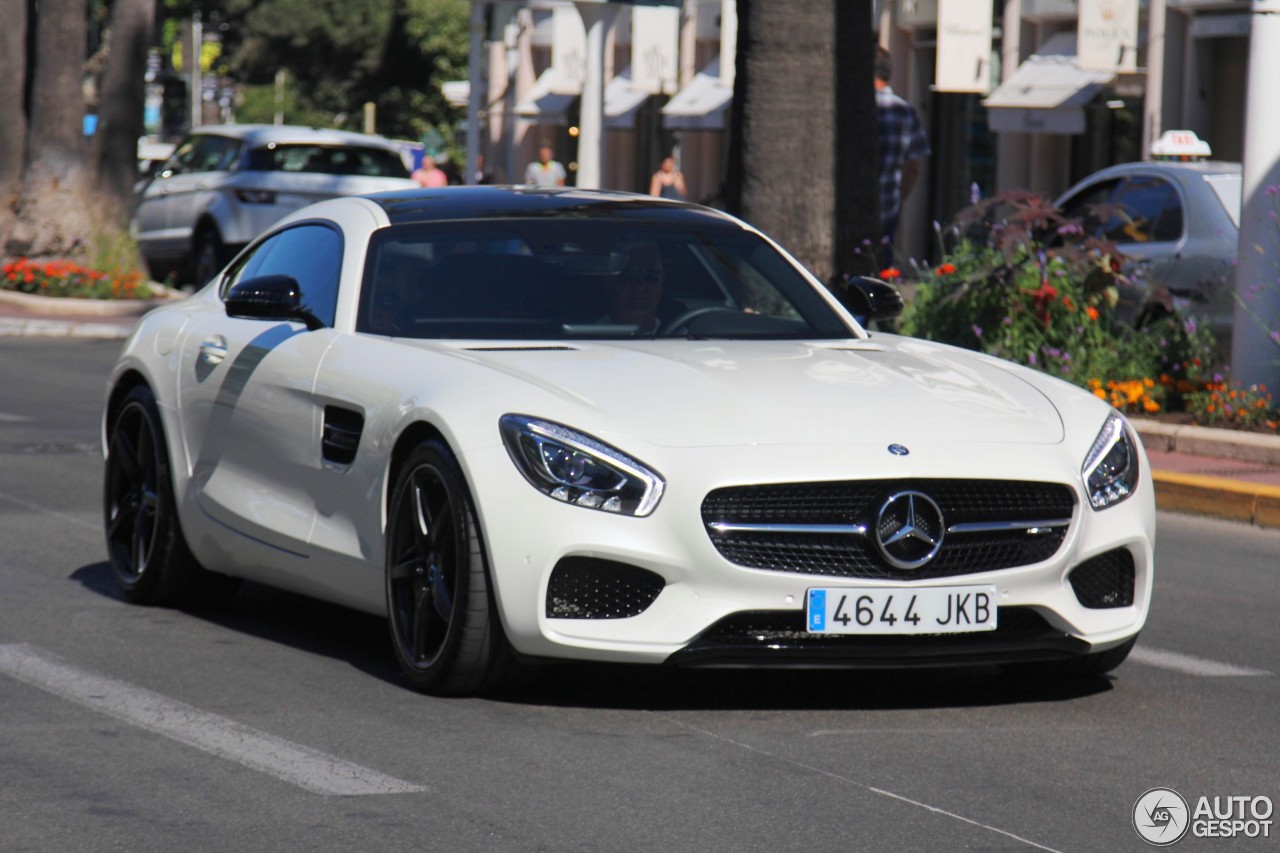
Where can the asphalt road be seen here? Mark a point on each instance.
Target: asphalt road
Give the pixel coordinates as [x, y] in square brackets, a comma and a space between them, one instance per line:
[278, 724]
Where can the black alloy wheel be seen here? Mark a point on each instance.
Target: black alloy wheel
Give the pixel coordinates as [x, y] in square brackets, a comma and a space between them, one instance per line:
[444, 628]
[147, 551]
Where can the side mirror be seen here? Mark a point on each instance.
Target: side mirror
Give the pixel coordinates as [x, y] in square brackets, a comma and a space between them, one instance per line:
[270, 297]
[869, 299]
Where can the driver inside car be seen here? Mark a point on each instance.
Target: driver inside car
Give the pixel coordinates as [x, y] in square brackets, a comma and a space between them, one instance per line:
[635, 293]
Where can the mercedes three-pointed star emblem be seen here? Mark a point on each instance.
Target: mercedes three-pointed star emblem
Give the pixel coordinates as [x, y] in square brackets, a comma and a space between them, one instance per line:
[909, 529]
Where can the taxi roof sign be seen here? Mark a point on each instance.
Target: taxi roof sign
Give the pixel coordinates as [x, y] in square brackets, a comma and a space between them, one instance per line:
[1180, 145]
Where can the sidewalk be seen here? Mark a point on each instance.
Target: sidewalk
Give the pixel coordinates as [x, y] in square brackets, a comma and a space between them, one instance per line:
[1214, 472]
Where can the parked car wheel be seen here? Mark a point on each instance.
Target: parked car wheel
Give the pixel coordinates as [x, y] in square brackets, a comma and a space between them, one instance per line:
[444, 628]
[208, 256]
[145, 545]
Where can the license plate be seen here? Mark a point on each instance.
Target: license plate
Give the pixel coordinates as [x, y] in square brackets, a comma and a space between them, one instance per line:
[902, 610]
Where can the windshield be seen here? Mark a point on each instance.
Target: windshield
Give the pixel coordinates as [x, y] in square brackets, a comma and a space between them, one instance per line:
[328, 160]
[564, 278]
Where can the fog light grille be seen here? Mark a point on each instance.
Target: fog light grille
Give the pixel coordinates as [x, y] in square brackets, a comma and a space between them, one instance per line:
[587, 588]
[1105, 581]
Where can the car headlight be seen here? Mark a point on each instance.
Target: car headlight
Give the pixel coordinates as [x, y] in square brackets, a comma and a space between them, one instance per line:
[1111, 469]
[575, 468]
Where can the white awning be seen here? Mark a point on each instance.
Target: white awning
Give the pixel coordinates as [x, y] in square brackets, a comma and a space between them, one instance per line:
[621, 102]
[544, 104]
[1047, 93]
[701, 104]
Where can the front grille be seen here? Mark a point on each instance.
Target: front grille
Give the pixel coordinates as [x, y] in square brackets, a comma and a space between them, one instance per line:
[587, 588]
[982, 519]
[1105, 581]
[764, 638]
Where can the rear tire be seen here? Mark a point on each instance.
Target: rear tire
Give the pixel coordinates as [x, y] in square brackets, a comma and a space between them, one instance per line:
[444, 623]
[147, 551]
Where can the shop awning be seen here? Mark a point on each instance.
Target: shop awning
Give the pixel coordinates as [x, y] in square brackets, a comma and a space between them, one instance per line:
[1048, 92]
[621, 102]
[701, 104]
[544, 104]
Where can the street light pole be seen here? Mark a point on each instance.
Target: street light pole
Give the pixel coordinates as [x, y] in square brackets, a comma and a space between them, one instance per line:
[1255, 347]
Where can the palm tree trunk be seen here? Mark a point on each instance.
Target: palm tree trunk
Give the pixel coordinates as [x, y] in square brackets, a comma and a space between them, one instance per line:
[120, 117]
[802, 150]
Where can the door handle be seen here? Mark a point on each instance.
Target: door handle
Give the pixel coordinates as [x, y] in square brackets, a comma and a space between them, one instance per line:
[213, 350]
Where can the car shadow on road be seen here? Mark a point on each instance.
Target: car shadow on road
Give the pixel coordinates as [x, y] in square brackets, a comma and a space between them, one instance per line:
[362, 641]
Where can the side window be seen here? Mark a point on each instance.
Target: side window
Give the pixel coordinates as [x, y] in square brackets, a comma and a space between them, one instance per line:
[205, 154]
[1148, 210]
[1089, 206]
[312, 254]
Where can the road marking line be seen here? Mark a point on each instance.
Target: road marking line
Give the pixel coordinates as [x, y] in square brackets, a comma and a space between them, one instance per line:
[1188, 664]
[298, 765]
[44, 510]
[847, 781]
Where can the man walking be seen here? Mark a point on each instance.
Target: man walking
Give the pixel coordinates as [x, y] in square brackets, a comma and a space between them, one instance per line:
[903, 147]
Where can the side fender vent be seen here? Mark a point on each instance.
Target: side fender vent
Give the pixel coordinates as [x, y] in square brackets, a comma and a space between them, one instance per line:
[341, 437]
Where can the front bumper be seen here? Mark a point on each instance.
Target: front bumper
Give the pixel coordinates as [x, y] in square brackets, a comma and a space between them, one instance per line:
[708, 611]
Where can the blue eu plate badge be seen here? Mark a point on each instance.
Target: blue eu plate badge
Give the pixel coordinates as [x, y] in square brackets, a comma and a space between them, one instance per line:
[817, 610]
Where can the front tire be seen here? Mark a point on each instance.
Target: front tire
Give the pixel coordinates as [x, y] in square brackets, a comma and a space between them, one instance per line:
[147, 551]
[444, 625]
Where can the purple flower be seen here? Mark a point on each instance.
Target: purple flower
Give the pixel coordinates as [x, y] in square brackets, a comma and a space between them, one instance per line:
[1275, 336]
[1217, 377]
[1191, 326]
[977, 330]
[975, 194]
[1273, 190]
[1007, 321]
[1031, 360]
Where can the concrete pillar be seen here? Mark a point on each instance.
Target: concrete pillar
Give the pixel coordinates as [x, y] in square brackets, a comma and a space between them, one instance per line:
[479, 94]
[1255, 346]
[1153, 105]
[1013, 150]
[598, 19]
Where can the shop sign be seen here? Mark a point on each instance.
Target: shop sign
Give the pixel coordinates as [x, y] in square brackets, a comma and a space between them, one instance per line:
[1107, 36]
[655, 36]
[964, 46]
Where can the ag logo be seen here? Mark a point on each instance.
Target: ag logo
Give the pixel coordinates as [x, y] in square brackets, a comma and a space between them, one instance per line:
[1161, 816]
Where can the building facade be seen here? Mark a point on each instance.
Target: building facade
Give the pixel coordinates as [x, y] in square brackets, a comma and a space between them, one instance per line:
[1029, 94]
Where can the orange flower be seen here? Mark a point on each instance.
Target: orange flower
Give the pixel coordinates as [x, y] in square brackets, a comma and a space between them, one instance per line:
[945, 269]
[1092, 312]
[890, 273]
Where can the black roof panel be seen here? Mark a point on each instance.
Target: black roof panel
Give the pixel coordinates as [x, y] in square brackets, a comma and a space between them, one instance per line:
[492, 202]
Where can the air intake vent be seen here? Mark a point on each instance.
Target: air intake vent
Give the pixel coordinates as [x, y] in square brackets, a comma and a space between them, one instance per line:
[587, 588]
[341, 439]
[1105, 581]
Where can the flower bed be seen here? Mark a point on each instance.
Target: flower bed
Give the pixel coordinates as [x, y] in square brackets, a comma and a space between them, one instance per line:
[65, 279]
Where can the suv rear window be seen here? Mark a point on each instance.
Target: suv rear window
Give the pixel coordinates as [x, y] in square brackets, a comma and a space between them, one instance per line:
[329, 160]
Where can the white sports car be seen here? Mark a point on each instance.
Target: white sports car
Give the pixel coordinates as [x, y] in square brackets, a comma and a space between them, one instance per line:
[529, 424]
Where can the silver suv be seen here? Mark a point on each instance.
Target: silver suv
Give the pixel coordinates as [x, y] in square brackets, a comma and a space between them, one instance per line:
[225, 184]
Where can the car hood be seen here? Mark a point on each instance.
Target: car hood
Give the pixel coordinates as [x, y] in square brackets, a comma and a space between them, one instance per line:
[705, 393]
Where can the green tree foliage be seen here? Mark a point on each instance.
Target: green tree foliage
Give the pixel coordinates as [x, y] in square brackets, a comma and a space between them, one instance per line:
[338, 55]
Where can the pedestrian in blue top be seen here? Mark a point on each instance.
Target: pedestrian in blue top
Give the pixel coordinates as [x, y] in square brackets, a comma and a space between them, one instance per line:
[903, 147]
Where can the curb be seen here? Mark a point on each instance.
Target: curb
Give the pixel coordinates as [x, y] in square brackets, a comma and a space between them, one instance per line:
[42, 327]
[1216, 497]
[1255, 447]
